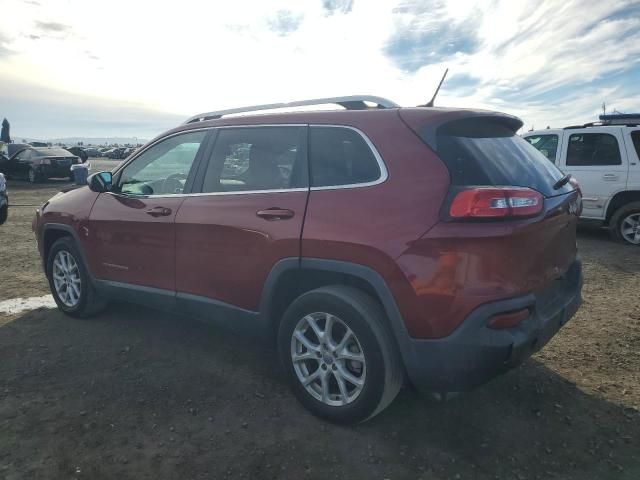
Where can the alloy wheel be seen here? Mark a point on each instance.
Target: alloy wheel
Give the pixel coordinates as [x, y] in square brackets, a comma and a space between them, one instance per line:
[630, 228]
[328, 359]
[66, 278]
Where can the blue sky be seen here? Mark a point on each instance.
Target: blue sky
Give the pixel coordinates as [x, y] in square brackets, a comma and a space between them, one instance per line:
[122, 68]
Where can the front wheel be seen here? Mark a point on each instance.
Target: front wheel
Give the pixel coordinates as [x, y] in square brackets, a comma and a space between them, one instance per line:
[69, 281]
[625, 224]
[339, 355]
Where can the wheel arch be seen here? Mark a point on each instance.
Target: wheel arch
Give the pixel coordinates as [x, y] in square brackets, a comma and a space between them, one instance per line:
[51, 233]
[290, 278]
[619, 200]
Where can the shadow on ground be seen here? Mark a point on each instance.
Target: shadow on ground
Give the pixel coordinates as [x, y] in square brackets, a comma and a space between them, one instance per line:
[139, 394]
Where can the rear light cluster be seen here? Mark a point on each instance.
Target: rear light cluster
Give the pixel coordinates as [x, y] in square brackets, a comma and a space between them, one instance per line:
[496, 202]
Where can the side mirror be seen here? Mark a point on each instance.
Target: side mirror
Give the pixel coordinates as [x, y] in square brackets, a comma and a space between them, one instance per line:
[101, 182]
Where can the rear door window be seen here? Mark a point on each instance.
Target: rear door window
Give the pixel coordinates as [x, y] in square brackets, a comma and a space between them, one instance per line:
[545, 144]
[257, 159]
[485, 153]
[635, 136]
[593, 149]
[340, 156]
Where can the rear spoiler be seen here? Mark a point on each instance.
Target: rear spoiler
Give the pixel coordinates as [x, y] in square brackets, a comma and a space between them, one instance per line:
[427, 123]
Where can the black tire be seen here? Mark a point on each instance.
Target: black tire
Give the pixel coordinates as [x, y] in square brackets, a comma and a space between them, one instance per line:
[365, 317]
[618, 218]
[4, 213]
[89, 303]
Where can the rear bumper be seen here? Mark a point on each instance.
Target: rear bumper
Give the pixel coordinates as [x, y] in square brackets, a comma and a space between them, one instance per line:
[474, 353]
[51, 171]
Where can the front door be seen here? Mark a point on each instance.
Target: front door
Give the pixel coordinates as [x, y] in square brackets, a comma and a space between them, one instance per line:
[595, 157]
[131, 229]
[248, 216]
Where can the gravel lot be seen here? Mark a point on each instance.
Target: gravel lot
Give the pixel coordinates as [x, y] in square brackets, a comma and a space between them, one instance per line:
[137, 394]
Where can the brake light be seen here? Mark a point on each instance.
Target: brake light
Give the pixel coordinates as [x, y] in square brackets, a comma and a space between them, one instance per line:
[575, 184]
[496, 202]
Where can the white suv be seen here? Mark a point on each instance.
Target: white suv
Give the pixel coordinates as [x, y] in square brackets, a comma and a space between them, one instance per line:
[605, 159]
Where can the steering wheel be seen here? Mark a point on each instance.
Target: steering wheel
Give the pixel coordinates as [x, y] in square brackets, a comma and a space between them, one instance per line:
[174, 183]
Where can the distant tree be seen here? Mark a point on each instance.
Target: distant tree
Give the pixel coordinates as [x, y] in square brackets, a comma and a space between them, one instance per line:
[4, 134]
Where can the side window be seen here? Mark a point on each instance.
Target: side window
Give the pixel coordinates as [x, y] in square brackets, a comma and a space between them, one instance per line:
[163, 168]
[590, 149]
[635, 136]
[545, 144]
[257, 158]
[340, 156]
[24, 155]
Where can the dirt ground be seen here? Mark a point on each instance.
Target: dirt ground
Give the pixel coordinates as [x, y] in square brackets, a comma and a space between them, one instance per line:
[140, 394]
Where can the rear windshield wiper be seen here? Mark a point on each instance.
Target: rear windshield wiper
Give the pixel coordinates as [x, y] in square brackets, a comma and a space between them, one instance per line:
[562, 182]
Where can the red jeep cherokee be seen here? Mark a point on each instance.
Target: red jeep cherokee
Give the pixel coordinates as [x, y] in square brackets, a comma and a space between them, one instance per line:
[376, 243]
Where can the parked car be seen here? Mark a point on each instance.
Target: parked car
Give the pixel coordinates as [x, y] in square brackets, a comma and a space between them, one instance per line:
[605, 158]
[8, 150]
[40, 163]
[78, 152]
[93, 152]
[115, 153]
[4, 200]
[371, 243]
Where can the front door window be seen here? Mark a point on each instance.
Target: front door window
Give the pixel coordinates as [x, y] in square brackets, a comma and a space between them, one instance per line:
[162, 169]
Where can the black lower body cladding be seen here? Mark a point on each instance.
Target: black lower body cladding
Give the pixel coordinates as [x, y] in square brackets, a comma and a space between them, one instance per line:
[474, 353]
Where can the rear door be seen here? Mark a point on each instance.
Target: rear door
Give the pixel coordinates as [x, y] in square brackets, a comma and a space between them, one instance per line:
[595, 156]
[131, 229]
[248, 215]
[632, 143]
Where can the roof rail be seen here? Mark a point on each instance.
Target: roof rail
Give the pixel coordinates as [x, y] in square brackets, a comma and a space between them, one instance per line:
[352, 102]
[601, 124]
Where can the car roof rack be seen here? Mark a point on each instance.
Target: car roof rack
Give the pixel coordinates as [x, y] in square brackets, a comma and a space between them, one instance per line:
[602, 124]
[351, 102]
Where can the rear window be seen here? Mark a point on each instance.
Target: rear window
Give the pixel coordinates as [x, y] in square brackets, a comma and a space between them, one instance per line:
[51, 152]
[485, 153]
[545, 144]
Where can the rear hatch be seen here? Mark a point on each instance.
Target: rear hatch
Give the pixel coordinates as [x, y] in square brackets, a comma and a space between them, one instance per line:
[508, 211]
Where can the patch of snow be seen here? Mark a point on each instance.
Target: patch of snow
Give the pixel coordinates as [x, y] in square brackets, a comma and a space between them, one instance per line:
[17, 305]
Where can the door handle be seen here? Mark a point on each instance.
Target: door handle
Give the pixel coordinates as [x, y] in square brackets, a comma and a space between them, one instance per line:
[275, 213]
[610, 176]
[159, 212]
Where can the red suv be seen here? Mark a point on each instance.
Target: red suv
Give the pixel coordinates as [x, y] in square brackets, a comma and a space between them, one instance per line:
[375, 243]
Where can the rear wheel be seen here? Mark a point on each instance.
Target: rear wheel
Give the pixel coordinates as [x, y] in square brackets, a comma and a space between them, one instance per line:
[338, 354]
[69, 281]
[625, 224]
[4, 213]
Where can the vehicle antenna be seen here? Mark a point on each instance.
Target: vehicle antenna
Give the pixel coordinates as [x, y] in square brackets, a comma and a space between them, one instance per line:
[431, 102]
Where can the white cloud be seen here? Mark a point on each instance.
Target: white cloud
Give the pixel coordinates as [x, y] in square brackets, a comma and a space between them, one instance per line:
[191, 56]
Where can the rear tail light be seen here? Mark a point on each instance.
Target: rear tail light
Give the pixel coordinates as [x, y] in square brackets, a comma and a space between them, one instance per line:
[496, 202]
[575, 184]
[508, 320]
